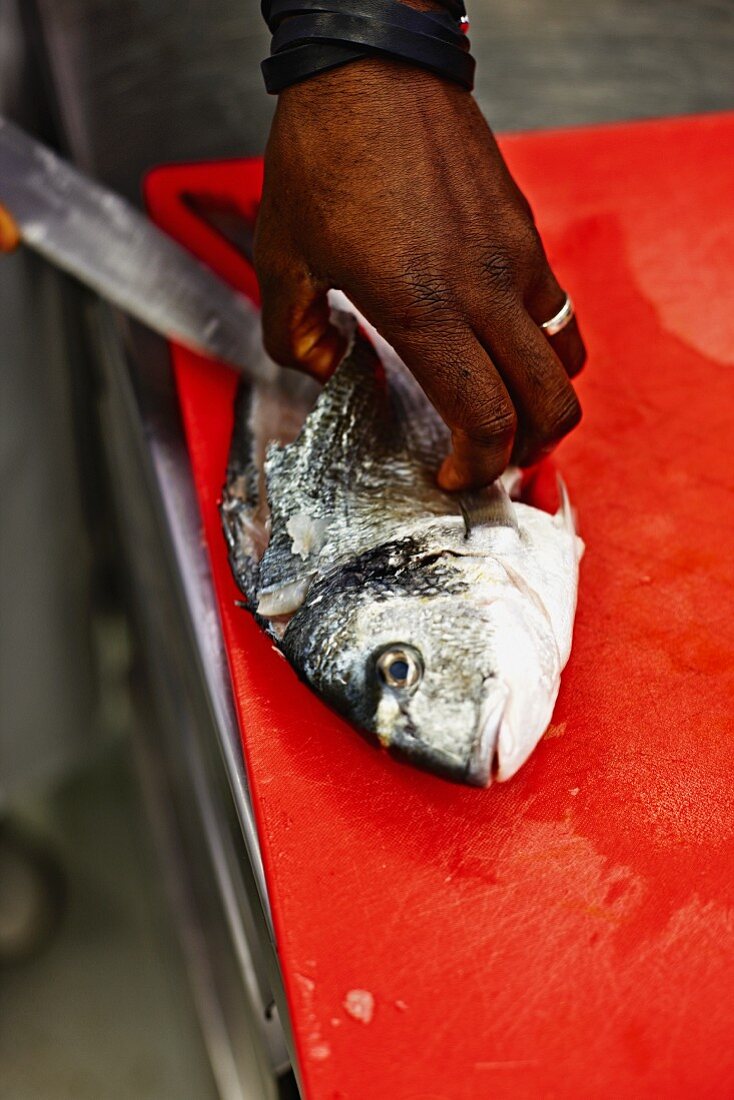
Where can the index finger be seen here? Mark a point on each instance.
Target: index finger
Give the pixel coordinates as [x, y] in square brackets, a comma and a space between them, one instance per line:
[464, 386]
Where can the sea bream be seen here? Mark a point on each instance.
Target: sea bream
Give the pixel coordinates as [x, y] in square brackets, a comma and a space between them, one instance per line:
[438, 624]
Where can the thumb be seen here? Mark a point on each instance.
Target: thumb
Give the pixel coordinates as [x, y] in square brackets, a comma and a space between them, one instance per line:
[297, 331]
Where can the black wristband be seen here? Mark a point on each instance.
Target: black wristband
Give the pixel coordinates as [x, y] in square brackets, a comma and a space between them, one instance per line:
[310, 37]
[426, 50]
[442, 24]
[274, 10]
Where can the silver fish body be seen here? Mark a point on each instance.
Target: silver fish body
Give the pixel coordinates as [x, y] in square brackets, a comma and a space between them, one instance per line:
[443, 638]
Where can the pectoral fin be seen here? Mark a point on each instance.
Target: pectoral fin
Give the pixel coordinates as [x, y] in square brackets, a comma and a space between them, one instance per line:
[490, 507]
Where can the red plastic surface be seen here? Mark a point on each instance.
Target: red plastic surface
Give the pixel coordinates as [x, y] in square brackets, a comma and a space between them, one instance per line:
[569, 934]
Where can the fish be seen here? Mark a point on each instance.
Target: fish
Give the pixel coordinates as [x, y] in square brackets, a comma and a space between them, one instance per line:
[438, 624]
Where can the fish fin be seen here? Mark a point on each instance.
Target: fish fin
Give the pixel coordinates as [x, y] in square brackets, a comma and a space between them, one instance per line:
[352, 446]
[512, 480]
[313, 479]
[490, 507]
[423, 433]
[422, 429]
[565, 517]
[346, 322]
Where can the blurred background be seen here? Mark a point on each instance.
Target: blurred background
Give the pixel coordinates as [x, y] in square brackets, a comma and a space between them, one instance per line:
[135, 955]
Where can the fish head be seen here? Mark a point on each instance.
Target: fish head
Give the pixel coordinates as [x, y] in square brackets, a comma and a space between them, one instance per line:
[459, 677]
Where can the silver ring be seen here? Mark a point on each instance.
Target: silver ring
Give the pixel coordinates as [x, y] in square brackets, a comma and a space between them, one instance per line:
[560, 320]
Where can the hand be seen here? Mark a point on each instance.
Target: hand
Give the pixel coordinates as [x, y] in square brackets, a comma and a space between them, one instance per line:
[385, 181]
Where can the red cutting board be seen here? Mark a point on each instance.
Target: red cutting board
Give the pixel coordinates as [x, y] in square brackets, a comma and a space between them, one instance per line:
[571, 933]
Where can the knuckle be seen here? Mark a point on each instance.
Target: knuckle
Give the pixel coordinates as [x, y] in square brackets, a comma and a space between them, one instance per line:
[527, 238]
[472, 400]
[500, 267]
[423, 300]
[475, 406]
[515, 257]
[502, 317]
[562, 418]
[495, 423]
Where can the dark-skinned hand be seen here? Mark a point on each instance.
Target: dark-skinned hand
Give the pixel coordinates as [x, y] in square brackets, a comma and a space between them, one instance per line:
[384, 181]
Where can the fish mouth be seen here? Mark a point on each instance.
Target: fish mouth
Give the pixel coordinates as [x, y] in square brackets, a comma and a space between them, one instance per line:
[482, 764]
[407, 745]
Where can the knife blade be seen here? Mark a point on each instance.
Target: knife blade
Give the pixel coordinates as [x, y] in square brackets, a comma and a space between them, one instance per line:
[95, 235]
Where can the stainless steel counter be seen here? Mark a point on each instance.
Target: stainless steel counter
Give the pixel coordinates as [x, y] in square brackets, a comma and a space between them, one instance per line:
[189, 750]
[134, 85]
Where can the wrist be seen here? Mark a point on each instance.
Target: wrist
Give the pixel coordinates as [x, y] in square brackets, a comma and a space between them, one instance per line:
[377, 86]
[374, 113]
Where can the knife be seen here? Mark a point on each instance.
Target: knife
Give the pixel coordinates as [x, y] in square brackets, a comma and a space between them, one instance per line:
[95, 235]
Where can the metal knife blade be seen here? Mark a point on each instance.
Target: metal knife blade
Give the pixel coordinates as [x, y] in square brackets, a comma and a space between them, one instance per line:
[95, 235]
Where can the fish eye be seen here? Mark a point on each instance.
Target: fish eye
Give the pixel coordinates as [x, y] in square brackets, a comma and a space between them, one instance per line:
[400, 667]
